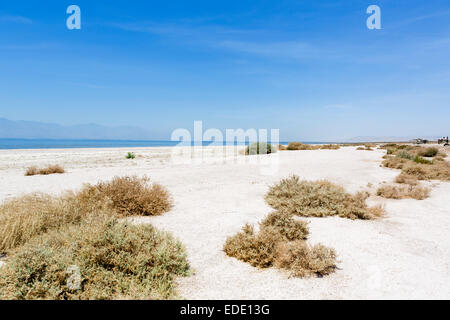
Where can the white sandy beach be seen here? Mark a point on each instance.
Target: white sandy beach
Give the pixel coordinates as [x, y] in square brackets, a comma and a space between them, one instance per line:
[405, 255]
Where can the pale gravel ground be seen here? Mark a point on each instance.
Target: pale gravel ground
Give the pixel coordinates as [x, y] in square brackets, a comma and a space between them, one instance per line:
[405, 255]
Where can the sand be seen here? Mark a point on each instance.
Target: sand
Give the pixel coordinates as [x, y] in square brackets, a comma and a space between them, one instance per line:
[406, 255]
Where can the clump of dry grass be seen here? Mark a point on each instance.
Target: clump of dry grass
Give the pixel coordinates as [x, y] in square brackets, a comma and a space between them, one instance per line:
[410, 160]
[301, 146]
[257, 249]
[115, 261]
[286, 225]
[439, 170]
[319, 199]
[304, 260]
[428, 152]
[281, 147]
[25, 217]
[403, 178]
[280, 242]
[52, 169]
[394, 162]
[329, 147]
[403, 192]
[367, 147]
[130, 196]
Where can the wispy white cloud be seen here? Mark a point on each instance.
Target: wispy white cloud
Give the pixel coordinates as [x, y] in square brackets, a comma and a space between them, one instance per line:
[15, 19]
[277, 45]
[421, 18]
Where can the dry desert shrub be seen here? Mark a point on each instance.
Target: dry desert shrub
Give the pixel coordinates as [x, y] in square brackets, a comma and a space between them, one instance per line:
[439, 170]
[115, 261]
[394, 162]
[130, 196]
[31, 171]
[280, 242]
[367, 147]
[403, 192]
[329, 147]
[403, 178]
[427, 152]
[299, 146]
[414, 166]
[281, 147]
[257, 249]
[319, 199]
[25, 217]
[286, 225]
[304, 260]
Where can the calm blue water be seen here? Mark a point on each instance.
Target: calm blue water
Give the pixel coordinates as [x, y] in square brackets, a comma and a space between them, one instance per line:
[69, 144]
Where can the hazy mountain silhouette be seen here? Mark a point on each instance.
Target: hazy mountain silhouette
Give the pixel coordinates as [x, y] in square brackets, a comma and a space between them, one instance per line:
[41, 130]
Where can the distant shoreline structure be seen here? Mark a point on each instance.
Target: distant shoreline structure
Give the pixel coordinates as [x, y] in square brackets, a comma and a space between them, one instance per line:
[17, 144]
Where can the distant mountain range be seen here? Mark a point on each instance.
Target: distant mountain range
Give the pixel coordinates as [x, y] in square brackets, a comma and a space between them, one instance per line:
[389, 138]
[40, 130]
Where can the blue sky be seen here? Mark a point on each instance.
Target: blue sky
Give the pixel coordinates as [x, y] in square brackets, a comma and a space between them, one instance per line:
[310, 68]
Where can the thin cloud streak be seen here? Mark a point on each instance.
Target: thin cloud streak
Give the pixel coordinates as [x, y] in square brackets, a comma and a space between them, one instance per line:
[15, 19]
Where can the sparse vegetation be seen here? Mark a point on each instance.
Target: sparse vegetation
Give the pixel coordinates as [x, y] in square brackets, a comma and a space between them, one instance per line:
[319, 199]
[403, 192]
[282, 147]
[329, 147]
[439, 170]
[52, 169]
[45, 236]
[408, 159]
[304, 260]
[26, 217]
[260, 148]
[301, 146]
[286, 225]
[280, 243]
[130, 155]
[298, 146]
[115, 261]
[130, 196]
[428, 152]
[418, 159]
[257, 249]
[404, 178]
[367, 147]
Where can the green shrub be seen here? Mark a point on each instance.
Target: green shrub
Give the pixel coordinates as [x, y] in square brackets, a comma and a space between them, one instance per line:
[418, 159]
[404, 155]
[130, 155]
[260, 148]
